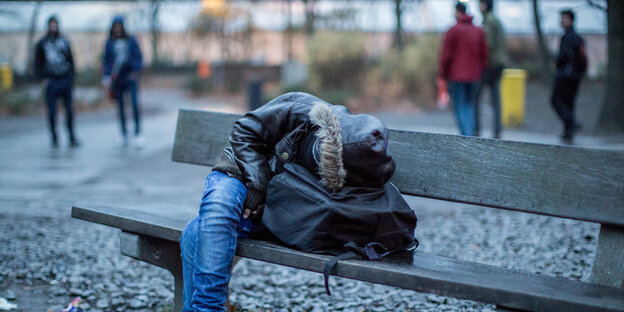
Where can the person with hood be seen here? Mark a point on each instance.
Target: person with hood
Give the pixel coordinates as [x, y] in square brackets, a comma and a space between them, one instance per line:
[55, 65]
[497, 48]
[464, 57]
[122, 65]
[571, 66]
[341, 149]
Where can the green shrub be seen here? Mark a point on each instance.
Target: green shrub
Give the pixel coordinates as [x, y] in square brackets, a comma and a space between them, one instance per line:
[17, 102]
[197, 86]
[336, 60]
[409, 73]
[88, 77]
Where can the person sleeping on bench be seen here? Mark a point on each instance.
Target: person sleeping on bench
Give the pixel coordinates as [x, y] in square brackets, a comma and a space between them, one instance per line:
[339, 148]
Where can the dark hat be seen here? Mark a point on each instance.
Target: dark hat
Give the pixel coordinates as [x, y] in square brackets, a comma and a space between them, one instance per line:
[52, 18]
[460, 7]
[118, 19]
[349, 150]
[489, 4]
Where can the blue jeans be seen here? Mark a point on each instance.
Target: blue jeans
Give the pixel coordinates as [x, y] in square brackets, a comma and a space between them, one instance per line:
[130, 86]
[60, 88]
[463, 95]
[208, 243]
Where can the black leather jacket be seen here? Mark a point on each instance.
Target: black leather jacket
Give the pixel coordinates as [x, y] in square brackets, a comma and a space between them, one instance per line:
[267, 138]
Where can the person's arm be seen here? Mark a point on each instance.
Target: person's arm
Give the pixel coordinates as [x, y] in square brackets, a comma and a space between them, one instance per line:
[107, 59]
[446, 54]
[136, 57]
[581, 55]
[70, 59]
[484, 49]
[40, 61]
[254, 137]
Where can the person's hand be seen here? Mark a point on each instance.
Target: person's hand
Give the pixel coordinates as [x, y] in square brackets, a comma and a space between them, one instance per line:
[106, 81]
[246, 213]
[249, 213]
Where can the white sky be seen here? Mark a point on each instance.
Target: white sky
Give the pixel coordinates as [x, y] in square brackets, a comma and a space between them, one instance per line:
[378, 15]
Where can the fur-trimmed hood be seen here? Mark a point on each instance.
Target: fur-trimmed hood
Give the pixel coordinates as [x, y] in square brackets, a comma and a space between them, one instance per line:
[350, 149]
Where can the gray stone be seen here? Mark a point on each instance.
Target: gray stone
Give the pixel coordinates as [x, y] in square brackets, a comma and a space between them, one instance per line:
[101, 304]
[10, 295]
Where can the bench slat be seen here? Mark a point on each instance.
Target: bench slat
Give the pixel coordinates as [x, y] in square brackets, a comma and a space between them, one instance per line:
[131, 220]
[201, 136]
[461, 169]
[577, 183]
[416, 271]
[455, 278]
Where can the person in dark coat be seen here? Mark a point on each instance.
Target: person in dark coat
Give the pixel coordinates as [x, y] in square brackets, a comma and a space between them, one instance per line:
[339, 148]
[571, 66]
[122, 66]
[463, 59]
[54, 64]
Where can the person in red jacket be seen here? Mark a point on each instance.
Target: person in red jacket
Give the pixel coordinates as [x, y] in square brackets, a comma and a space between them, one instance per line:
[463, 59]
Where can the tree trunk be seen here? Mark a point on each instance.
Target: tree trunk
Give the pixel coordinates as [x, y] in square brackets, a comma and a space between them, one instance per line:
[31, 38]
[398, 33]
[545, 54]
[612, 113]
[309, 14]
[289, 32]
[154, 29]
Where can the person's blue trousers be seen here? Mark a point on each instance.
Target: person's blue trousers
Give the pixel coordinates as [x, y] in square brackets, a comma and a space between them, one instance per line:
[60, 88]
[463, 95]
[208, 243]
[130, 86]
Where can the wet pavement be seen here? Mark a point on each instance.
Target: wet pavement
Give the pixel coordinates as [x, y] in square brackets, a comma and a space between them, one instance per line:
[48, 258]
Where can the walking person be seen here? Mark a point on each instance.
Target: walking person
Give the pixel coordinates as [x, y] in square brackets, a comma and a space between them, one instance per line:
[463, 59]
[571, 66]
[497, 59]
[340, 149]
[122, 66]
[55, 65]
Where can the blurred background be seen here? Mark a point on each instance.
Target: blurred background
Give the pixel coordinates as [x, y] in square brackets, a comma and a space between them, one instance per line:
[378, 57]
[364, 54]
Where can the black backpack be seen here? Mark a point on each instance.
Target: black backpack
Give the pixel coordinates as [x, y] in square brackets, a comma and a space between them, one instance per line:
[353, 223]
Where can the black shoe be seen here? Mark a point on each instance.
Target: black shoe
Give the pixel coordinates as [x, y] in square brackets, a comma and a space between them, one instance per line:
[577, 127]
[54, 144]
[73, 143]
[568, 134]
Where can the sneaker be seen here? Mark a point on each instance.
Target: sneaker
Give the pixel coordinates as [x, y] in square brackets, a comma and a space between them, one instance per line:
[122, 142]
[73, 142]
[139, 141]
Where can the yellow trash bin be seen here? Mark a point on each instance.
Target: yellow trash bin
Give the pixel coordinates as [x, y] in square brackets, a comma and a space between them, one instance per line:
[512, 89]
[6, 76]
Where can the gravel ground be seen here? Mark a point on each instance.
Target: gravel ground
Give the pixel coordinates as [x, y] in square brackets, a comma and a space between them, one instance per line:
[47, 258]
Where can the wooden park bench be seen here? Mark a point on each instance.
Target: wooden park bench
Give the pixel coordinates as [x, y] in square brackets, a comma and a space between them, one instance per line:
[566, 182]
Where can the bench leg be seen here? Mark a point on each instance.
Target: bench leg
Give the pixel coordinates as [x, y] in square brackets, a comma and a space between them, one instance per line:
[159, 252]
[608, 266]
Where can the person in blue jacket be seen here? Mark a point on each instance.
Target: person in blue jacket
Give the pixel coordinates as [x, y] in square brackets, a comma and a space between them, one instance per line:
[122, 65]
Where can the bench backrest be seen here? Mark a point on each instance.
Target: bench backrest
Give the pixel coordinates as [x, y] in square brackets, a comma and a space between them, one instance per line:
[568, 182]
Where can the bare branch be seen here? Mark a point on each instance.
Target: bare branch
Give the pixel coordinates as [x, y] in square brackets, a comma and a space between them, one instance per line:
[597, 5]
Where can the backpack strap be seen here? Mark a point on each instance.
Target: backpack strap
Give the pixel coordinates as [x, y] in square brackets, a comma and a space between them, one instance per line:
[372, 251]
[329, 266]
